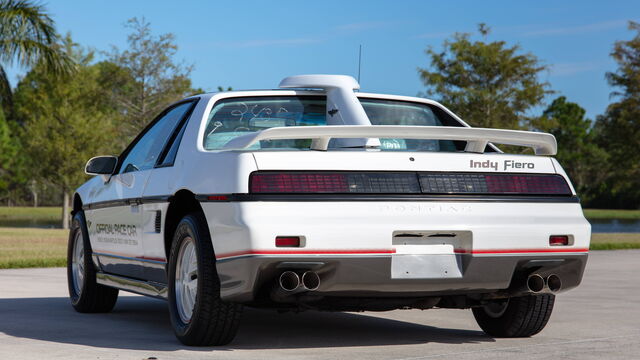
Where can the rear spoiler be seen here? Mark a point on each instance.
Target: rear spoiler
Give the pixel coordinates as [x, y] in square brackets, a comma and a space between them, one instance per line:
[476, 138]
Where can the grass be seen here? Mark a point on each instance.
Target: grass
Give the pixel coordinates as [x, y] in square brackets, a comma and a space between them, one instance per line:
[614, 241]
[26, 247]
[30, 213]
[604, 214]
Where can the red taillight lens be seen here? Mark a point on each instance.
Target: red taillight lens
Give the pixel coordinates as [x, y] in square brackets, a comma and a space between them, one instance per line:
[334, 182]
[298, 183]
[493, 184]
[407, 183]
[558, 240]
[527, 184]
[287, 241]
[218, 198]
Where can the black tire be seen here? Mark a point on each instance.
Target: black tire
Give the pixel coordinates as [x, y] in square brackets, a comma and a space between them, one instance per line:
[212, 321]
[523, 317]
[87, 296]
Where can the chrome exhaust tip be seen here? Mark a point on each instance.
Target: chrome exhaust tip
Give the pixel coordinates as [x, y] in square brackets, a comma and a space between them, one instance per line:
[554, 283]
[310, 280]
[289, 281]
[535, 283]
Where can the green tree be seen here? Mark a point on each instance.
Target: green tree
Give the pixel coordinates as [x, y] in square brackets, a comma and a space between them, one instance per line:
[152, 79]
[9, 157]
[583, 160]
[27, 38]
[488, 84]
[66, 121]
[619, 127]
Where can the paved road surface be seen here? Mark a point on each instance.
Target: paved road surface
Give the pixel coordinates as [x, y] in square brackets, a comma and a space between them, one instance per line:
[598, 320]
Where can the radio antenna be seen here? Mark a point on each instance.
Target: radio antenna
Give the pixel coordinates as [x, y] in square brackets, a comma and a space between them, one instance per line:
[359, 62]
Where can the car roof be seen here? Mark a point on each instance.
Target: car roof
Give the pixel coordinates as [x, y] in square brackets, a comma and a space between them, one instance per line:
[293, 92]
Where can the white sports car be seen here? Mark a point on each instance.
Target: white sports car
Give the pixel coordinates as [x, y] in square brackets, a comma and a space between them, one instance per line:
[315, 196]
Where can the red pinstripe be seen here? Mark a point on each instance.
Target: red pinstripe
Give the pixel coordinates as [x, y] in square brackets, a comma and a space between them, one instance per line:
[306, 252]
[392, 251]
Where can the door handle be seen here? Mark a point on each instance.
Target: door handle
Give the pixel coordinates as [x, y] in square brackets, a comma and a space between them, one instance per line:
[135, 203]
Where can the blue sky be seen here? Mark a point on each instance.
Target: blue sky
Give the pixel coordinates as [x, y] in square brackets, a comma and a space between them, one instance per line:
[254, 44]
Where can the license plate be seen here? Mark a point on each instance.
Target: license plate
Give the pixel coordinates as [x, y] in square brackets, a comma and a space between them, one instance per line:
[425, 266]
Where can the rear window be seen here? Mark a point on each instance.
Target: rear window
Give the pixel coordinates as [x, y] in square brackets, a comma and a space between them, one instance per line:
[234, 117]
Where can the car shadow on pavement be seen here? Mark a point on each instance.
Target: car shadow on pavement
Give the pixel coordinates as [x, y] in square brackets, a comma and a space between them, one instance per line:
[140, 323]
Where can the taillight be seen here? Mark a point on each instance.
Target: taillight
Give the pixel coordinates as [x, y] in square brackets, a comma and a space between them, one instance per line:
[287, 241]
[334, 182]
[296, 182]
[558, 240]
[527, 184]
[218, 198]
[493, 184]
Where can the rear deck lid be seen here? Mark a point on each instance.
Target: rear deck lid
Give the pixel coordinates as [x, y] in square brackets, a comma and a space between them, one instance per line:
[372, 160]
[415, 174]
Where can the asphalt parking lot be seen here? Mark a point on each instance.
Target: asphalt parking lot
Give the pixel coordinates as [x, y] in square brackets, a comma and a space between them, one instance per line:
[598, 320]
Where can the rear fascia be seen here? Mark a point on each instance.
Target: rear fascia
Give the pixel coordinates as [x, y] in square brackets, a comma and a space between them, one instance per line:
[358, 236]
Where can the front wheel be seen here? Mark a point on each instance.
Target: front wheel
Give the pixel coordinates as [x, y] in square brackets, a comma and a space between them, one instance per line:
[87, 296]
[515, 317]
[198, 315]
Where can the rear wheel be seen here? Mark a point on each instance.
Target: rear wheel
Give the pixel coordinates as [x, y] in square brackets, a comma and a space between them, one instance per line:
[87, 296]
[198, 315]
[515, 317]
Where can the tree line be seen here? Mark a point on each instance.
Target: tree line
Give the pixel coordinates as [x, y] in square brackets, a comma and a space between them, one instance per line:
[71, 106]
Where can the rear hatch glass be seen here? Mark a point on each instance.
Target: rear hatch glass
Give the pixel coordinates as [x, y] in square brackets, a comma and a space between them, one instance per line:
[234, 117]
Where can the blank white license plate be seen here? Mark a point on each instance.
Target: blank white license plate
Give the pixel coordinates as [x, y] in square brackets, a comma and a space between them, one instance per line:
[425, 266]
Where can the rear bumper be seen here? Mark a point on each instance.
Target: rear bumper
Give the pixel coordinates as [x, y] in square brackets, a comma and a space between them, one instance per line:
[357, 247]
[372, 276]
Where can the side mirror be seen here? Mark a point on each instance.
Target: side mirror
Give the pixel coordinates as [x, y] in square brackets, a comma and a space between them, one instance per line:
[101, 165]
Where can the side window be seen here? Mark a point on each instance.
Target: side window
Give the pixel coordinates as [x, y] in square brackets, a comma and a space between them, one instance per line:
[147, 149]
[173, 150]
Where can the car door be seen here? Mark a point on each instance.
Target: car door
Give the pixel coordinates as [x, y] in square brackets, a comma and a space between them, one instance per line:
[160, 187]
[115, 215]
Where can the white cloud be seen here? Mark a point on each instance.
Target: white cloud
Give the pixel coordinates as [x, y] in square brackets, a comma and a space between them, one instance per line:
[362, 26]
[435, 35]
[572, 68]
[580, 29]
[269, 42]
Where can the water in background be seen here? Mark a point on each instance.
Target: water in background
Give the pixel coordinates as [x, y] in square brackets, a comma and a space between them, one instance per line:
[597, 226]
[42, 224]
[615, 226]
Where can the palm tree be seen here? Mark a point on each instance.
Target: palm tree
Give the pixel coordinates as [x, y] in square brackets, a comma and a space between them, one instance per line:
[28, 37]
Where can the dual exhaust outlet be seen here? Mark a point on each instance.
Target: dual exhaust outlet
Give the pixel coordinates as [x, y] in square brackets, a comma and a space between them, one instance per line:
[290, 282]
[537, 284]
